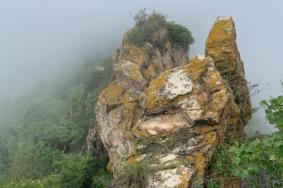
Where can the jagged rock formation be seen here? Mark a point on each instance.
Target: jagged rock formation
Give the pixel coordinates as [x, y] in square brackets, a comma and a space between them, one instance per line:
[168, 115]
[222, 47]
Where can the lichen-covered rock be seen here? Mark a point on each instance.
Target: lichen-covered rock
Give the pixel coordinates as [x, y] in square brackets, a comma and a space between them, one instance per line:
[135, 66]
[177, 127]
[222, 47]
[165, 115]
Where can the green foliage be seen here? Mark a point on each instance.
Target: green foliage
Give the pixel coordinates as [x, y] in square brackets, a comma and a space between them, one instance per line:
[73, 169]
[31, 160]
[27, 183]
[101, 178]
[274, 111]
[135, 175]
[146, 25]
[221, 161]
[179, 35]
[42, 137]
[257, 161]
[213, 184]
[3, 159]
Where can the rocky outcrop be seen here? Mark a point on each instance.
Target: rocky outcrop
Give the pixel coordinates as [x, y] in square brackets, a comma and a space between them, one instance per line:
[161, 117]
[222, 47]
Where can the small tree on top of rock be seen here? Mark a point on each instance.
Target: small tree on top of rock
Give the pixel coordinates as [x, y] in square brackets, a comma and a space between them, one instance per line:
[146, 25]
[141, 17]
[179, 35]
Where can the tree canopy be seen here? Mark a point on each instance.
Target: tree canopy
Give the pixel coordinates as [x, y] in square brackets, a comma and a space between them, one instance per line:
[147, 24]
[42, 142]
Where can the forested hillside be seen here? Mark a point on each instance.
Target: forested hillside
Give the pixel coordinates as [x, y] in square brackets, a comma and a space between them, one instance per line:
[42, 138]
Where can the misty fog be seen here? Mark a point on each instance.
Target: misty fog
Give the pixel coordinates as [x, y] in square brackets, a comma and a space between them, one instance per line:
[38, 39]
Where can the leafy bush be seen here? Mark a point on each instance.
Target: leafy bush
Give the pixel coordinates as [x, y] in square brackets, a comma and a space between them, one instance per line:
[257, 161]
[32, 160]
[51, 181]
[179, 35]
[73, 169]
[146, 25]
[274, 112]
[101, 178]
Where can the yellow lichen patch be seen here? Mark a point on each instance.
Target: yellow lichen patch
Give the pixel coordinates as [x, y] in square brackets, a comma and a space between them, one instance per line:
[190, 158]
[128, 69]
[133, 159]
[111, 94]
[222, 29]
[149, 72]
[129, 111]
[135, 54]
[221, 45]
[154, 98]
[200, 163]
[195, 67]
[205, 129]
[139, 132]
[219, 100]
[213, 80]
[185, 181]
[210, 138]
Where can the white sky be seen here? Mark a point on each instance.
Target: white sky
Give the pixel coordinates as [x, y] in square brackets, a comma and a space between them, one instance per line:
[38, 36]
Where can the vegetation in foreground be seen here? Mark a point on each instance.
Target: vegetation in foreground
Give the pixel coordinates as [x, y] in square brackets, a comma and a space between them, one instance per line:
[257, 161]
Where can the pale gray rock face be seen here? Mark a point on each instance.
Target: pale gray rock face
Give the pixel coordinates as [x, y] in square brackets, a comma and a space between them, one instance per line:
[178, 83]
[118, 105]
[164, 114]
[91, 139]
[180, 56]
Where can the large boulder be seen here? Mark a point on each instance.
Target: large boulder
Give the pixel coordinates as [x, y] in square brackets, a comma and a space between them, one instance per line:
[161, 117]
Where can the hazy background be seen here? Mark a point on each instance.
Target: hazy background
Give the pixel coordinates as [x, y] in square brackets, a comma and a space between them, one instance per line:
[39, 37]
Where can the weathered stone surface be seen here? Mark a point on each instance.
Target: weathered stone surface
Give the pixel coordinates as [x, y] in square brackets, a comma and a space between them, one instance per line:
[177, 127]
[169, 115]
[222, 47]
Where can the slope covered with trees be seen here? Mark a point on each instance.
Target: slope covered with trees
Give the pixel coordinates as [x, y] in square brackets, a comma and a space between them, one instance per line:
[42, 138]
